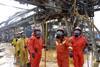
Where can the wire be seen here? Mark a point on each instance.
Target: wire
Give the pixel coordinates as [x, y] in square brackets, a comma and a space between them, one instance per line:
[73, 6]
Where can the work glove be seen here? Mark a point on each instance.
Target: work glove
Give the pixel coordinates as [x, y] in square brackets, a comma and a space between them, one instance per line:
[45, 47]
[71, 54]
[33, 55]
[28, 64]
[25, 47]
[70, 51]
[18, 52]
[14, 46]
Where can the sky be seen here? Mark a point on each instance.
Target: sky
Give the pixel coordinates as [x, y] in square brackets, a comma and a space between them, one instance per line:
[7, 9]
[97, 19]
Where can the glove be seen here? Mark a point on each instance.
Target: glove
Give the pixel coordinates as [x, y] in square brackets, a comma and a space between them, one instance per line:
[12, 44]
[18, 52]
[33, 55]
[45, 47]
[70, 51]
[71, 54]
[28, 64]
[25, 47]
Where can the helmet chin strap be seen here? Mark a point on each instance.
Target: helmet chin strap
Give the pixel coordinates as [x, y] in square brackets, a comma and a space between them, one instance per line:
[77, 33]
[37, 36]
[76, 36]
[61, 39]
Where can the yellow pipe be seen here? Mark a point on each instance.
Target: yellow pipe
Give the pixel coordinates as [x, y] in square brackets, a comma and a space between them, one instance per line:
[46, 35]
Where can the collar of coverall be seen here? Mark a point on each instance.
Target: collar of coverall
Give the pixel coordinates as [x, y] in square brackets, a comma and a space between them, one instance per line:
[63, 42]
[78, 36]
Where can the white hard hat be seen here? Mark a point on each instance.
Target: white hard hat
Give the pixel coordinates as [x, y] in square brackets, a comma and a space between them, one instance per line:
[38, 27]
[60, 28]
[77, 28]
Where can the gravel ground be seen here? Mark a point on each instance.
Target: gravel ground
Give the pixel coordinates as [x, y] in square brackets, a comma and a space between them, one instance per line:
[7, 58]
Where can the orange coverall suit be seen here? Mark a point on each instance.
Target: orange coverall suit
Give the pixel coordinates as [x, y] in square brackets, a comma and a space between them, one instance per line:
[35, 46]
[62, 53]
[78, 44]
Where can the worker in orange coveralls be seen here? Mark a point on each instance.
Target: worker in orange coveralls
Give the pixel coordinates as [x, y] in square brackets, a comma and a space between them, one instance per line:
[35, 48]
[78, 44]
[62, 49]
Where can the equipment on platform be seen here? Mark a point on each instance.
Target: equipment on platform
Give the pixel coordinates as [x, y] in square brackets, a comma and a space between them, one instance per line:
[97, 52]
[70, 13]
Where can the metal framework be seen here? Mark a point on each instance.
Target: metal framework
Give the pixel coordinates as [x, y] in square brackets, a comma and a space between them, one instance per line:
[70, 12]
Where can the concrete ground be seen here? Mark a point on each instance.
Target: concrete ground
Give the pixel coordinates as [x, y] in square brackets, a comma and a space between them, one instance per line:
[7, 58]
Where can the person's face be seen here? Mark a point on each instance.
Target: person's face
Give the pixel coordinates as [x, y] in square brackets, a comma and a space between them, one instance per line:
[38, 33]
[59, 35]
[77, 33]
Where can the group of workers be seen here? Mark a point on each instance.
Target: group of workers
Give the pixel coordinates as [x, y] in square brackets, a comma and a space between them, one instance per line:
[73, 46]
[65, 46]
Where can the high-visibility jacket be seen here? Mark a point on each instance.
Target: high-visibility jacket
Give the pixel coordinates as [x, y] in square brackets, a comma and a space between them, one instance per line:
[78, 45]
[26, 50]
[21, 43]
[35, 47]
[62, 53]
